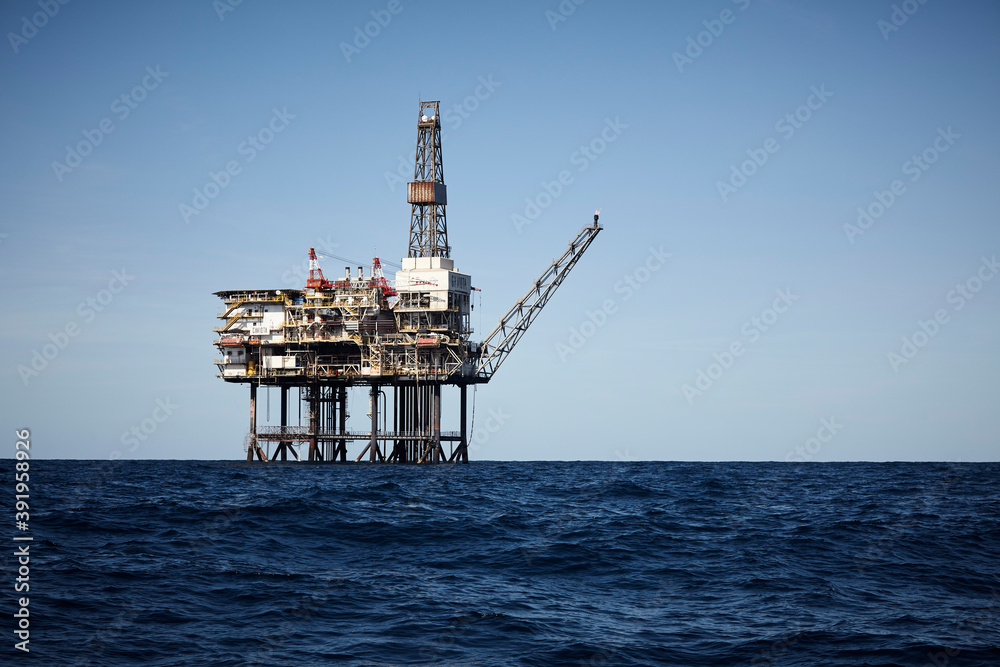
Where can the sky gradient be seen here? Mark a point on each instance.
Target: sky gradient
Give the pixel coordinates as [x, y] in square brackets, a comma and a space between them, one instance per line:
[799, 200]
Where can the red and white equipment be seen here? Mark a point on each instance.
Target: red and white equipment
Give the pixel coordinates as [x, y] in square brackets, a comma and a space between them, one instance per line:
[316, 279]
[379, 281]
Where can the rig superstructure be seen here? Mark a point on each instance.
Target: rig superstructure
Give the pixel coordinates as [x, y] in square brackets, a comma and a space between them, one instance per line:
[361, 331]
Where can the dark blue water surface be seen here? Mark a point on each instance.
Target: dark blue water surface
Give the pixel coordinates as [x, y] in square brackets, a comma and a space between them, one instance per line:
[217, 563]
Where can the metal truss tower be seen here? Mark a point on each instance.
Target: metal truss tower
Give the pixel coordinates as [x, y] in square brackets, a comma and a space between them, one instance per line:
[427, 193]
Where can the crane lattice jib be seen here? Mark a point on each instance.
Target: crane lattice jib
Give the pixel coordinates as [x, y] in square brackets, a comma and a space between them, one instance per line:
[512, 326]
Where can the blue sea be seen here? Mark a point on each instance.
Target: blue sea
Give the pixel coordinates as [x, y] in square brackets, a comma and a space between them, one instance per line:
[497, 563]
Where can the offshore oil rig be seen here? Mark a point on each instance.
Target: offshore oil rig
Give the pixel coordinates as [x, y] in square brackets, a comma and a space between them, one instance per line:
[412, 337]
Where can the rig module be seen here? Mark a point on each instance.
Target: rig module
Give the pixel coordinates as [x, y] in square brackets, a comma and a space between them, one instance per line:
[411, 336]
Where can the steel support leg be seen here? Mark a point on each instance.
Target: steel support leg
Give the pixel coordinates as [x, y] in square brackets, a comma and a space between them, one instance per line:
[373, 446]
[284, 445]
[313, 422]
[436, 433]
[252, 442]
[463, 447]
[342, 396]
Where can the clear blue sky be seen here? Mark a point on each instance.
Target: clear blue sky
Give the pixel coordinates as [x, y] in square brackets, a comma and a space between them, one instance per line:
[680, 123]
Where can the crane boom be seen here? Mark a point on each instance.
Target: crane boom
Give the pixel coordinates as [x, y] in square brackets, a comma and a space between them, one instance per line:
[515, 323]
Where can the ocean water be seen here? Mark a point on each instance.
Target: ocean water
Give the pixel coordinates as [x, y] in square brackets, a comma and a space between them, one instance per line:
[495, 563]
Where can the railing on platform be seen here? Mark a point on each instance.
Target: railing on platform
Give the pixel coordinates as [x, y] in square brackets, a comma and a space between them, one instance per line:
[303, 433]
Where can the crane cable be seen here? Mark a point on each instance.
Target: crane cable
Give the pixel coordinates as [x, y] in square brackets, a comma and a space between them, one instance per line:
[354, 262]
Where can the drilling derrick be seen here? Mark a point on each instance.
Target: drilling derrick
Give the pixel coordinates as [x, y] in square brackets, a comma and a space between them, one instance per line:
[405, 341]
[428, 194]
